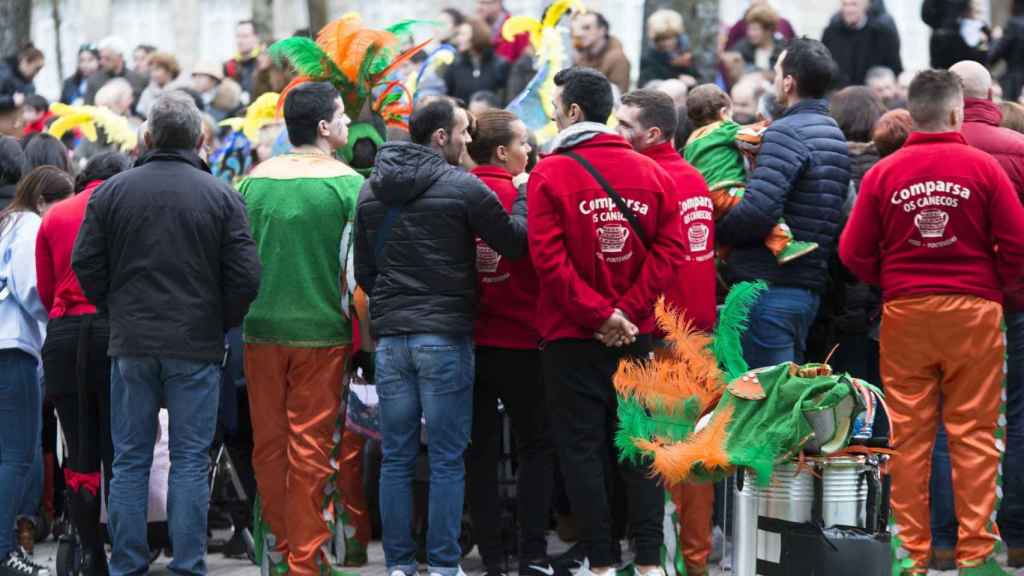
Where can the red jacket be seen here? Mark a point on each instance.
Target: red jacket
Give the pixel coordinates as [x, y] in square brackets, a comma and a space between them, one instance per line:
[510, 51]
[693, 291]
[982, 130]
[57, 284]
[588, 258]
[936, 217]
[506, 317]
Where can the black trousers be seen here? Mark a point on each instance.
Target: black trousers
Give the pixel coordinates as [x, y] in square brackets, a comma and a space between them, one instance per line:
[578, 376]
[78, 380]
[514, 376]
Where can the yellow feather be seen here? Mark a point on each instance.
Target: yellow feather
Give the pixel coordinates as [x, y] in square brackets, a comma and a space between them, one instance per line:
[67, 121]
[516, 25]
[260, 113]
[559, 8]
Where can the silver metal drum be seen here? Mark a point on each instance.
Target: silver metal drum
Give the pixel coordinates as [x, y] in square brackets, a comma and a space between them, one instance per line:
[790, 497]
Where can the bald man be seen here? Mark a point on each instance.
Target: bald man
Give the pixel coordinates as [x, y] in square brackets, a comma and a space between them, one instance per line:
[981, 130]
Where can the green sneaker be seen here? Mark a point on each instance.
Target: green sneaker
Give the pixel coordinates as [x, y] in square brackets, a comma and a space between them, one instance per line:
[989, 568]
[795, 250]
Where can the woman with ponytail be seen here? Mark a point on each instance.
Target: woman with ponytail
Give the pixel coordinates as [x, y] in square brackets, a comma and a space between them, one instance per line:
[75, 358]
[507, 365]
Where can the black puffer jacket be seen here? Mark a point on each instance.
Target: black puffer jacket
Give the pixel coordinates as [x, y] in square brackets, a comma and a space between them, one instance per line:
[165, 248]
[424, 278]
[855, 306]
[11, 82]
[802, 175]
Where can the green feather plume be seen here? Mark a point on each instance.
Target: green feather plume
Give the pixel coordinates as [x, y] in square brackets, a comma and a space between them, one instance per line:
[304, 55]
[732, 322]
[659, 422]
[404, 28]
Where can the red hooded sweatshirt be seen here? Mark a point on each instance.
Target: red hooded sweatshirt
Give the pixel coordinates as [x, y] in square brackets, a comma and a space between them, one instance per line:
[982, 119]
[936, 217]
[57, 284]
[507, 314]
[693, 291]
[588, 258]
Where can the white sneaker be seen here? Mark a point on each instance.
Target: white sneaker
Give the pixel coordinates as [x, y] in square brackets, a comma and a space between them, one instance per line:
[659, 571]
[459, 573]
[584, 570]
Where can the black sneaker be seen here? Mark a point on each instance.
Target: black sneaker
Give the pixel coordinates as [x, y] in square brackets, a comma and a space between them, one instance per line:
[570, 561]
[17, 565]
[493, 572]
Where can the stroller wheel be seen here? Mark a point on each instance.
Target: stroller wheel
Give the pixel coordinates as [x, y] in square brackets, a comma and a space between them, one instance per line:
[69, 556]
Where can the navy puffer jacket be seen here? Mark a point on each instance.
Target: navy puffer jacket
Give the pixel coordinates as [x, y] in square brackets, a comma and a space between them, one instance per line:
[803, 176]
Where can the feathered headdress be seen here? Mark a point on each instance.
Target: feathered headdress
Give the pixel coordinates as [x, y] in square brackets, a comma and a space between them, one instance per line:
[87, 119]
[533, 104]
[260, 113]
[357, 60]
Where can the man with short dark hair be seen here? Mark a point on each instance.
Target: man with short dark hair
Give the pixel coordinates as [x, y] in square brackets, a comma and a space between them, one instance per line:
[596, 48]
[802, 176]
[165, 250]
[242, 66]
[939, 226]
[298, 333]
[418, 219]
[603, 256]
[647, 120]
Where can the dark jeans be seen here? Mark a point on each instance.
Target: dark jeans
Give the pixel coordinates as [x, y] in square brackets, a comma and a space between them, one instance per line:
[514, 376]
[428, 376]
[189, 390]
[578, 377]
[21, 409]
[779, 323]
[1011, 510]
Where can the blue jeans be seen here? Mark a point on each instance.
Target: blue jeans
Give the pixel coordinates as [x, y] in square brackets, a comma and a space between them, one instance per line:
[428, 375]
[189, 390]
[1011, 510]
[779, 322]
[21, 410]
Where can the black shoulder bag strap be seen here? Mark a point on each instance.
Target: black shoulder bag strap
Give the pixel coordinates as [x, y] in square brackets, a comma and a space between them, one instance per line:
[619, 202]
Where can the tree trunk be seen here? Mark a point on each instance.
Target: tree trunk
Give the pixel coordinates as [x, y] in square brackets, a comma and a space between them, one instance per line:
[263, 16]
[317, 15]
[57, 41]
[702, 26]
[17, 29]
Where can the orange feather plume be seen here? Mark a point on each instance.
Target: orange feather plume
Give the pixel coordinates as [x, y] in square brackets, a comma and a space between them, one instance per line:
[674, 462]
[356, 45]
[689, 369]
[334, 33]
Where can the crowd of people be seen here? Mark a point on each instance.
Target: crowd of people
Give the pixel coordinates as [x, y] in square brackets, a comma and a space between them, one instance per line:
[458, 263]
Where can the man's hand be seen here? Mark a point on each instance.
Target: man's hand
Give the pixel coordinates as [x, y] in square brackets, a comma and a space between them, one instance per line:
[19, 99]
[617, 331]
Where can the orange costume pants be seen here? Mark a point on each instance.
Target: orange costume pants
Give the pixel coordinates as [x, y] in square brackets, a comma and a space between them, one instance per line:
[694, 508]
[947, 348]
[294, 398]
[350, 484]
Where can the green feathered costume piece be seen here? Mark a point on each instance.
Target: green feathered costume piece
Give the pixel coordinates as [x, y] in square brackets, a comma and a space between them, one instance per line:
[693, 423]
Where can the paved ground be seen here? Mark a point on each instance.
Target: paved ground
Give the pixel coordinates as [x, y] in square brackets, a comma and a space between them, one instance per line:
[46, 553]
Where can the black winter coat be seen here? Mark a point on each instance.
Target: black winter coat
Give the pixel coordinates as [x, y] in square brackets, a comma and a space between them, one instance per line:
[1011, 48]
[802, 175]
[165, 249]
[421, 278]
[11, 81]
[858, 50]
[465, 77]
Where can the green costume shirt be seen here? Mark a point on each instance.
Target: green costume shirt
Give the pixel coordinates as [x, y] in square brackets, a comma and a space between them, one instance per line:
[302, 211]
[712, 151]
